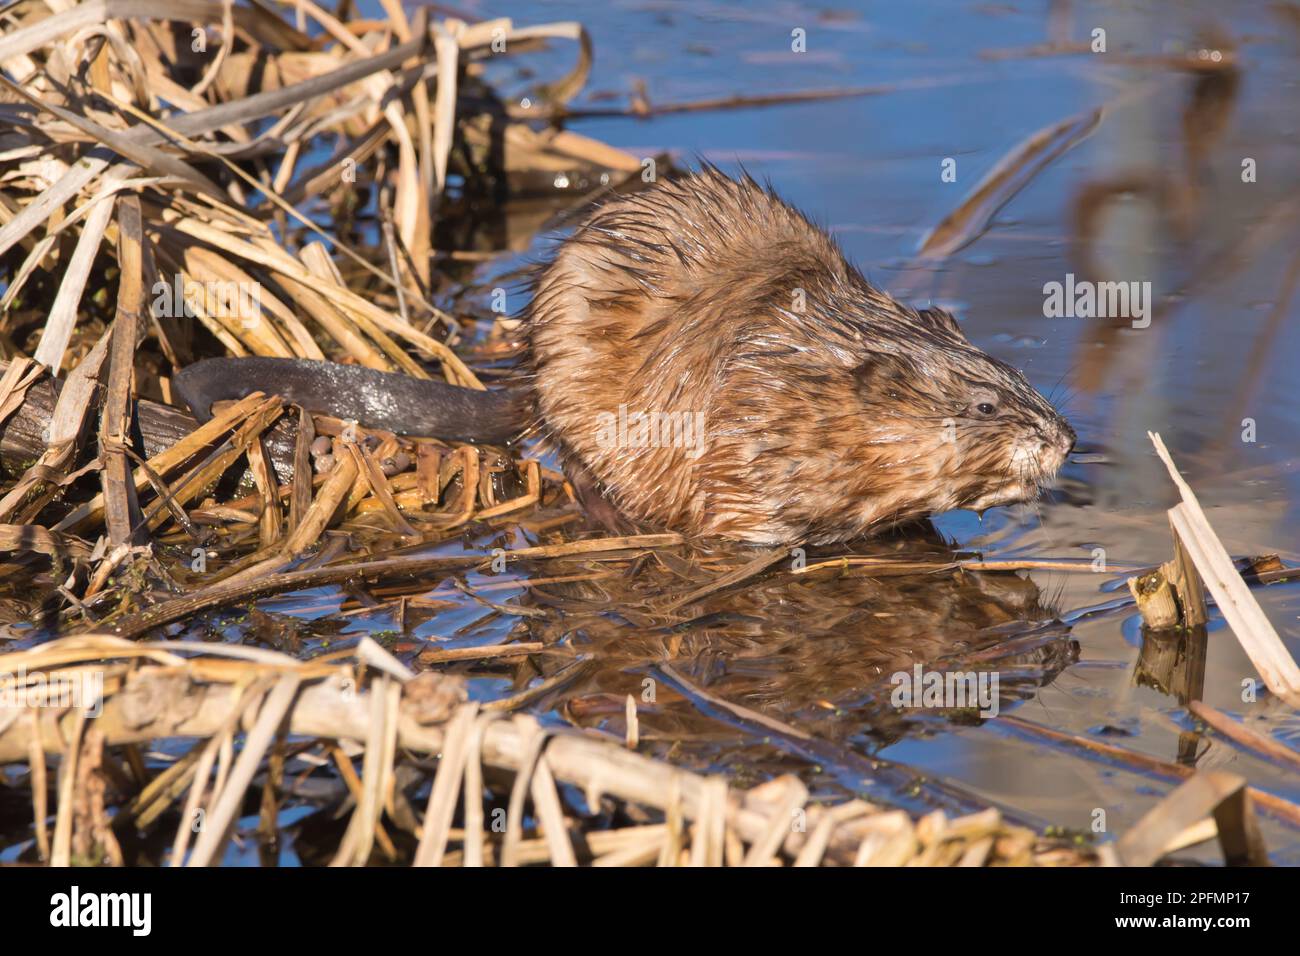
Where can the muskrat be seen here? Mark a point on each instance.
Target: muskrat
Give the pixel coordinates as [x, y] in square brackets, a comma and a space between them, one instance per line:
[705, 358]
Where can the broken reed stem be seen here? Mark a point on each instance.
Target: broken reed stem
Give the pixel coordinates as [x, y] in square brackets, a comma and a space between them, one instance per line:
[1244, 736]
[122, 511]
[1278, 807]
[1231, 595]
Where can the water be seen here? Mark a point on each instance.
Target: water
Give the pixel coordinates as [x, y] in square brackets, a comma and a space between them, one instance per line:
[1214, 364]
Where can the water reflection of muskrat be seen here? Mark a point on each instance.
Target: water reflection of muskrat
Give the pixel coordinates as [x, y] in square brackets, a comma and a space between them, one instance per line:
[815, 650]
[706, 360]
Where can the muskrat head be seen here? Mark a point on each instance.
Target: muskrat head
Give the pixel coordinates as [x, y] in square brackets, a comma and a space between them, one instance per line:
[968, 430]
[907, 419]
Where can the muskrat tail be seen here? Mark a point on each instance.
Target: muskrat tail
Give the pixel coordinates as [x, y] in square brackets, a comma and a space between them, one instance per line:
[385, 400]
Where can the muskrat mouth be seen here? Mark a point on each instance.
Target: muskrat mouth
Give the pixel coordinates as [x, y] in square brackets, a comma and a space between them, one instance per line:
[1032, 469]
[1011, 492]
[994, 499]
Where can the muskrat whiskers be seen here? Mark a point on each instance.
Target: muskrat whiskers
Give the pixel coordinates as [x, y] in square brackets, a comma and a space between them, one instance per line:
[1063, 405]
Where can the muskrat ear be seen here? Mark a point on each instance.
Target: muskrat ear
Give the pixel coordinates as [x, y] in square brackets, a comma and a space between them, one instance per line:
[880, 372]
[943, 320]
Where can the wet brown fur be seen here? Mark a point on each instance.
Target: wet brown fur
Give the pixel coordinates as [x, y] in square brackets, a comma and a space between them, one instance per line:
[830, 410]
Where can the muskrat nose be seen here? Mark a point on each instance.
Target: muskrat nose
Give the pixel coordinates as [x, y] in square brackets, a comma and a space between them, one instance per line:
[1068, 437]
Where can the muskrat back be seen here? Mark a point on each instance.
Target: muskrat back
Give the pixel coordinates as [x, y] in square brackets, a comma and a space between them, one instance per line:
[708, 359]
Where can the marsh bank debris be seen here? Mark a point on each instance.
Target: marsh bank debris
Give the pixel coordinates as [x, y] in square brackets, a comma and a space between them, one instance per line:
[296, 717]
[209, 178]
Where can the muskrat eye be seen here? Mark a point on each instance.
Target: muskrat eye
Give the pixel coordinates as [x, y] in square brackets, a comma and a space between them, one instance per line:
[984, 409]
